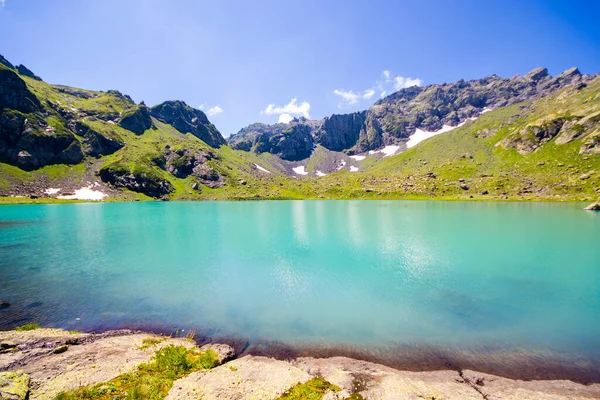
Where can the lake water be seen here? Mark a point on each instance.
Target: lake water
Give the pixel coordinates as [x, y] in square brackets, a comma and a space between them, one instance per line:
[399, 279]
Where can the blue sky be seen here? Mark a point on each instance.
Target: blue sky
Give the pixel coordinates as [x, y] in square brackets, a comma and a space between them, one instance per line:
[251, 58]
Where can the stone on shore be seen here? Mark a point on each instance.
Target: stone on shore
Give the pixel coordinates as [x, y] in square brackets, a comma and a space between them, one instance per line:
[257, 378]
[593, 207]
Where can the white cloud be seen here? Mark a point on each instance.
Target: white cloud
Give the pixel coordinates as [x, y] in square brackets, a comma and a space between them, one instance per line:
[402, 82]
[211, 111]
[291, 109]
[2, 2]
[285, 119]
[386, 84]
[214, 111]
[349, 97]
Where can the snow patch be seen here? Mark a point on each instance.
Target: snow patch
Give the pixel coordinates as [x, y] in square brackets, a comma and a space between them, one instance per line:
[51, 191]
[319, 173]
[353, 169]
[358, 158]
[85, 193]
[486, 109]
[261, 168]
[387, 151]
[342, 165]
[421, 135]
[300, 170]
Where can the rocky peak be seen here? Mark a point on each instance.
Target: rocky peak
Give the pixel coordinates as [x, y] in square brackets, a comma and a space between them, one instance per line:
[188, 120]
[6, 63]
[537, 74]
[23, 70]
[120, 95]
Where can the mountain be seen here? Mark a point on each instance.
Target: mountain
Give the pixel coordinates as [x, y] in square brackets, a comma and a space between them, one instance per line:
[393, 119]
[530, 137]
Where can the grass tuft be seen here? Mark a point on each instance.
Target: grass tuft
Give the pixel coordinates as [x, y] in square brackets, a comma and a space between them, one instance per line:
[28, 327]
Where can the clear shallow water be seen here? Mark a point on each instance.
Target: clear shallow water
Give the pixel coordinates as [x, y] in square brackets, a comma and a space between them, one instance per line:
[448, 275]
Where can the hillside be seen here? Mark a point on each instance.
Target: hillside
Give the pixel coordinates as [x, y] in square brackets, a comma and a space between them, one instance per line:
[531, 137]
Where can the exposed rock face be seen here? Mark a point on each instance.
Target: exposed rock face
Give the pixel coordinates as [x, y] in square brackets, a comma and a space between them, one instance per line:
[141, 182]
[340, 132]
[390, 121]
[290, 142]
[23, 70]
[183, 163]
[186, 119]
[564, 128]
[14, 93]
[28, 144]
[5, 62]
[94, 143]
[137, 120]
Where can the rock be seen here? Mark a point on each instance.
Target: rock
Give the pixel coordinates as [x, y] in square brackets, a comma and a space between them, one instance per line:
[14, 385]
[25, 143]
[258, 378]
[485, 192]
[292, 142]
[593, 207]
[5, 62]
[94, 144]
[195, 186]
[4, 304]
[464, 186]
[584, 176]
[186, 119]
[461, 179]
[60, 349]
[14, 93]
[540, 163]
[141, 182]
[137, 120]
[537, 74]
[224, 351]
[23, 70]
[242, 182]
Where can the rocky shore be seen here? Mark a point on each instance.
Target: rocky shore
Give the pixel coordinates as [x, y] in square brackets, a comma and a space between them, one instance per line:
[41, 363]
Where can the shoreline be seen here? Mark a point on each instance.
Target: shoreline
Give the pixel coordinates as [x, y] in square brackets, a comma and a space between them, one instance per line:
[55, 360]
[514, 364]
[10, 200]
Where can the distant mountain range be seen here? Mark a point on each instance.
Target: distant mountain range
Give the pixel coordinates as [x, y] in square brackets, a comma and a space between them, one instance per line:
[525, 137]
[394, 119]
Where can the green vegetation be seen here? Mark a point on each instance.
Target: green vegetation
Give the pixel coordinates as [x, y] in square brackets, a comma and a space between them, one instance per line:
[150, 381]
[151, 342]
[28, 327]
[312, 389]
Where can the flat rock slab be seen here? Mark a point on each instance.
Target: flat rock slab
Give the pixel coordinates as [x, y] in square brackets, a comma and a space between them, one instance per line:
[247, 378]
[374, 381]
[94, 361]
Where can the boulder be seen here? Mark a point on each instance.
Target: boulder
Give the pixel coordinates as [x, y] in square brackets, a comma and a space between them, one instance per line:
[4, 304]
[14, 385]
[224, 352]
[593, 207]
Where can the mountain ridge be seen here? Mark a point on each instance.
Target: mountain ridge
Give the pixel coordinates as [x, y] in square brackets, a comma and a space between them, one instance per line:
[394, 118]
[59, 142]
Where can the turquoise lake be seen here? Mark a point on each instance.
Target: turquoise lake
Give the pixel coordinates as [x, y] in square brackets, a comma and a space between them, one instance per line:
[447, 279]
